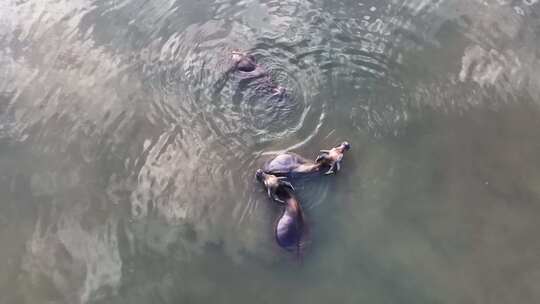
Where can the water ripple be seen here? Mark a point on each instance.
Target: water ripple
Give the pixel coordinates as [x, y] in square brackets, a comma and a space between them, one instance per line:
[140, 97]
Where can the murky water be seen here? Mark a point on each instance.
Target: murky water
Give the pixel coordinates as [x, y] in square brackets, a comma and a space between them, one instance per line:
[127, 151]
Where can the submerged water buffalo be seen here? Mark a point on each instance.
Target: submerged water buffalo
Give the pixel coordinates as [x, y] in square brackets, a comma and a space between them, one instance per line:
[293, 165]
[290, 226]
[247, 66]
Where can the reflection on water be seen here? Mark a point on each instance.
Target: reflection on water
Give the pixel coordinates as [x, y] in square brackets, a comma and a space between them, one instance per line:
[128, 148]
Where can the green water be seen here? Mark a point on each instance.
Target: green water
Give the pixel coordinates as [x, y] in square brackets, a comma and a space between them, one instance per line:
[128, 152]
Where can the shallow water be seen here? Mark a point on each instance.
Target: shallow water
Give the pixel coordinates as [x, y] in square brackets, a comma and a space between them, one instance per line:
[128, 151]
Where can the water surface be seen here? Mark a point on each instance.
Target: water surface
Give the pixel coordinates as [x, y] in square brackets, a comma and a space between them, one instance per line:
[127, 151]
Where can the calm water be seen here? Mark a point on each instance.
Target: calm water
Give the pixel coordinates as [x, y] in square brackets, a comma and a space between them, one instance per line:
[127, 151]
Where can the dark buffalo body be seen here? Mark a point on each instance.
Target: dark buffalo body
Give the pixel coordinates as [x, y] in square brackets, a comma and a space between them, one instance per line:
[290, 226]
[293, 165]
